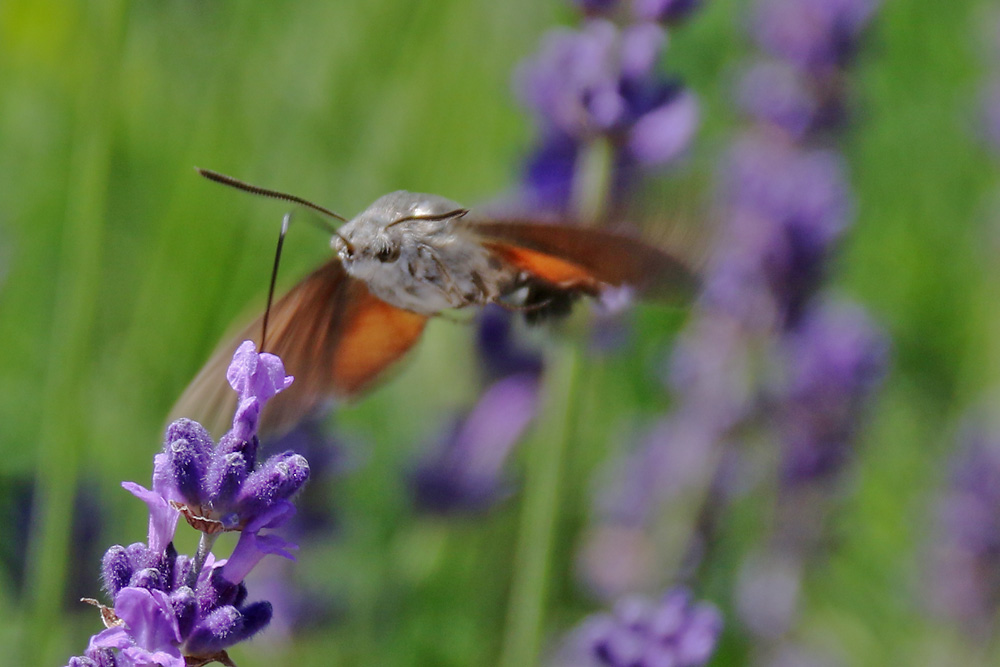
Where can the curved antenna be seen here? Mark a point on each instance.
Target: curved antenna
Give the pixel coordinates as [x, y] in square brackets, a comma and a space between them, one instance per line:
[457, 213]
[264, 192]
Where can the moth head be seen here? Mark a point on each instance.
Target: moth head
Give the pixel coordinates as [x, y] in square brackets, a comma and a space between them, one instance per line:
[392, 227]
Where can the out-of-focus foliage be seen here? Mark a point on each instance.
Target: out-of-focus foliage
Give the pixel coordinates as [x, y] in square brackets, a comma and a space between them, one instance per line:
[120, 269]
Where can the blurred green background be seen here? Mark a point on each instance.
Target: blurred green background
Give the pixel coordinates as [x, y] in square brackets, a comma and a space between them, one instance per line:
[120, 270]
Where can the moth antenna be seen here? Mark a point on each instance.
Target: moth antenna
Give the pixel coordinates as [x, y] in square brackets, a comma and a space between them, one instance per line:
[456, 214]
[264, 192]
[285, 221]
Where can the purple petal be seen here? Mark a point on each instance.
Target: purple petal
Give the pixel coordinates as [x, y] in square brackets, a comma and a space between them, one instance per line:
[149, 617]
[279, 478]
[641, 47]
[778, 93]
[664, 133]
[116, 637]
[162, 517]
[260, 376]
[250, 548]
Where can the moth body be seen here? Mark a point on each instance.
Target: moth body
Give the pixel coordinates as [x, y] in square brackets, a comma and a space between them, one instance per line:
[407, 248]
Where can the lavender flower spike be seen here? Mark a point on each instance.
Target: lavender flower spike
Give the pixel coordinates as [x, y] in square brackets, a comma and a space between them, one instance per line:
[465, 474]
[223, 487]
[672, 631]
[172, 610]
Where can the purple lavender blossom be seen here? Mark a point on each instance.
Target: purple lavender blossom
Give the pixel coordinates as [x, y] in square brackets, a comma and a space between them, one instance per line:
[787, 208]
[465, 473]
[640, 631]
[965, 581]
[813, 34]
[599, 83]
[222, 487]
[780, 94]
[836, 358]
[172, 610]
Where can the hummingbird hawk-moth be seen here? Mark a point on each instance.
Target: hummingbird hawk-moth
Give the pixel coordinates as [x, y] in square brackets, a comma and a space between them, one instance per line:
[407, 258]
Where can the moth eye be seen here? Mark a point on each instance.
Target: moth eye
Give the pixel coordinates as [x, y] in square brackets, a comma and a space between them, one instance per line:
[388, 254]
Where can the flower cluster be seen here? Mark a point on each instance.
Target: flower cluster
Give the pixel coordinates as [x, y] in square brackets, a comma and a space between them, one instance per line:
[598, 88]
[836, 358]
[174, 610]
[767, 358]
[639, 632]
[798, 87]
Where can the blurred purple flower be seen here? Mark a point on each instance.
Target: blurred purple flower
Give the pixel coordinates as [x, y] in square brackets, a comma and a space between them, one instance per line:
[965, 580]
[671, 459]
[787, 208]
[599, 83]
[836, 358]
[500, 352]
[573, 83]
[465, 473]
[662, 134]
[779, 94]
[671, 631]
[812, 34]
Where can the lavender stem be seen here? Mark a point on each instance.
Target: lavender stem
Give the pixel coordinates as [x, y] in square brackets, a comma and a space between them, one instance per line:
[205, 545]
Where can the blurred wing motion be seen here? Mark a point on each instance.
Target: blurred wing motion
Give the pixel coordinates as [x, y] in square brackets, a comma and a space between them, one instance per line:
[333, 336]
[582, 259]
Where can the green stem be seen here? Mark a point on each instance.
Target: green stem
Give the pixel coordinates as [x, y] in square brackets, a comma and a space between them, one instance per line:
[205, 544]
[532, 560]
[529, 589]
[592, 181]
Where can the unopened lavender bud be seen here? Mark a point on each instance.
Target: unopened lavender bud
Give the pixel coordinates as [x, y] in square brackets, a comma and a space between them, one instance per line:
[193, 432]
[149, 578]
[187, 470]
[230, 442]
[278, 479]
[181, 570]
[185, 606]
[217, 631]
[228, 625]
[216, 591]
[116, 571]
[226, 477]
[256, 616]
[140, 556]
